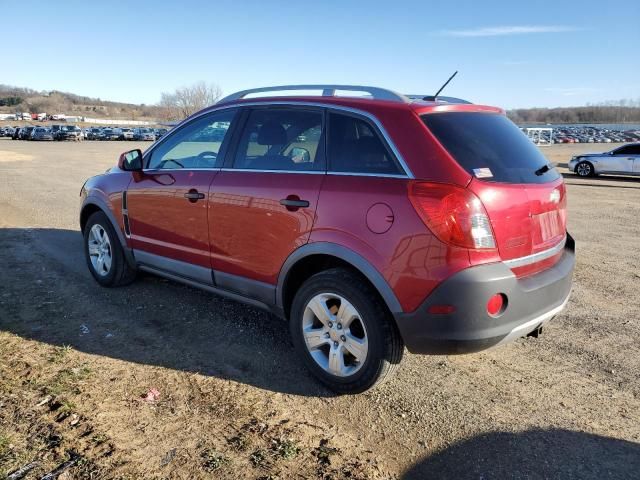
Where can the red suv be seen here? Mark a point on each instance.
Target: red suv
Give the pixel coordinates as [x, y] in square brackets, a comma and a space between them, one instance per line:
[370, 223]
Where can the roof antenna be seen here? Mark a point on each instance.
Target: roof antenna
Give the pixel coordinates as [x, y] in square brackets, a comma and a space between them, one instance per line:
[430, 98]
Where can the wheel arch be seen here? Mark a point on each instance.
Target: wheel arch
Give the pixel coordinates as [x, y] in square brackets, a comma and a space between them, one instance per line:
[315, 257]
[94, 204]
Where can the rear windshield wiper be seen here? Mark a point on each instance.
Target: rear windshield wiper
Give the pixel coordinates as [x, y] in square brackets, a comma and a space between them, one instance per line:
[543, 169]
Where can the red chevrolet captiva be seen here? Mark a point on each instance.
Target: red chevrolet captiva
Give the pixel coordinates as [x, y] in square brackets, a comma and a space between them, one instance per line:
[369, 220]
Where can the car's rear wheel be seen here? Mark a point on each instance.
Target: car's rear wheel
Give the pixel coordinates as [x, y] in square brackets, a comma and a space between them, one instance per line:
[585, 169]
[343, 332]
[104, 254]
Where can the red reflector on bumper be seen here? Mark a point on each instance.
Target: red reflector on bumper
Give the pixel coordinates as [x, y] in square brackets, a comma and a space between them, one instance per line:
[496, 304]
[441, 309]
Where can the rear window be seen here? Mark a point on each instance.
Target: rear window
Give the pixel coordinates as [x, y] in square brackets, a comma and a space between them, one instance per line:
[490, 147]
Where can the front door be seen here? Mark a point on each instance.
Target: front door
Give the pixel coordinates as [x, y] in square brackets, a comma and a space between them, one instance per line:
[263, 204]
[167, 203]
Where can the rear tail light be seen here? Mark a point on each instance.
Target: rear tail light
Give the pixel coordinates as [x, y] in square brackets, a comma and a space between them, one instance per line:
[454, 214]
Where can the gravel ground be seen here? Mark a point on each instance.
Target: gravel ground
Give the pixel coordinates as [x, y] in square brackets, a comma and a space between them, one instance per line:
[234, 402]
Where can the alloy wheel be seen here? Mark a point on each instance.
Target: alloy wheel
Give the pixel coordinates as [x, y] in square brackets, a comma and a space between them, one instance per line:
[584, 169]
[100, 251]
[334, 334]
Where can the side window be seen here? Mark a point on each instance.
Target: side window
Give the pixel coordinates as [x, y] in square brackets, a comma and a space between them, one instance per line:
[281, 139]
[355, 147]
[622, 151]
[633, 150]
[195, 145]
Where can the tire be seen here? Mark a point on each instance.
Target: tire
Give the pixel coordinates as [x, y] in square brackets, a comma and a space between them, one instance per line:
[118, 272]
[369, 324]
[585, 169]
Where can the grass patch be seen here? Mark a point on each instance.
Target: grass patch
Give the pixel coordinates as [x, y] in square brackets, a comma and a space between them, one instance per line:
[60, 353]
[65, 380]
[324, 452]
[5, 441]
[99, 438]
[212, 461]
[258, 458]
[239, 443]
[286, 448]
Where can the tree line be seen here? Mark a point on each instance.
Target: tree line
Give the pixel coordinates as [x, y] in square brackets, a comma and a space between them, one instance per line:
[621, 111]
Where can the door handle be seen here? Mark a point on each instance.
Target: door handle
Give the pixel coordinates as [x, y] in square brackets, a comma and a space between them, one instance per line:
[193, 195]
[294, 204]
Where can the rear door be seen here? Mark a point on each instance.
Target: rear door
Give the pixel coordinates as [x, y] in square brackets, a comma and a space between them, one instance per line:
[167, 203]
[633, 155]
[618, 161]
[263, 203]
[523, 194]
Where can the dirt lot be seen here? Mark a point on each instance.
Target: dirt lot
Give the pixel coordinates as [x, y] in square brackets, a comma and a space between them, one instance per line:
[234, 402]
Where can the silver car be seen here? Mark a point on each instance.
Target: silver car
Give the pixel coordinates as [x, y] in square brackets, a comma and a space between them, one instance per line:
[623, 160]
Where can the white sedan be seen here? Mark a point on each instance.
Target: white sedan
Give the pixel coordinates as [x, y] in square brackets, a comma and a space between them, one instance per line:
[623, 160]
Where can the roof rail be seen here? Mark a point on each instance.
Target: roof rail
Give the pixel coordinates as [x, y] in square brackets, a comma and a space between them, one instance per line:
[431, 98]
[327, 91]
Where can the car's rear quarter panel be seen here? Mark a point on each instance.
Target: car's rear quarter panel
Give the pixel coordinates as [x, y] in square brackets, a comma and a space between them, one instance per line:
[409, 257]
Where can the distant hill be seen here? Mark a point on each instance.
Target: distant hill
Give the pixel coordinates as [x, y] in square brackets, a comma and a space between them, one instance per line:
[17, 99]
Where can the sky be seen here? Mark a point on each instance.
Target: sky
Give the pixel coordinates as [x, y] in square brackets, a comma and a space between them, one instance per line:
[510, 54]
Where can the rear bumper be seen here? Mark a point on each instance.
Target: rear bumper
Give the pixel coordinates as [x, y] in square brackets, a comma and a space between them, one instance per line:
[532, 301]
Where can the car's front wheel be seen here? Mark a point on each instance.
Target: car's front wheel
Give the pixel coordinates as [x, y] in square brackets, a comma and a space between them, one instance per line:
[585, 169]
[343, 332]
[104, 254]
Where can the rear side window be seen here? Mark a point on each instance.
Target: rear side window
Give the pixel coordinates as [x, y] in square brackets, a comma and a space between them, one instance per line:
[281, 139]
[356, 147]
[628, 150]
[490, 147]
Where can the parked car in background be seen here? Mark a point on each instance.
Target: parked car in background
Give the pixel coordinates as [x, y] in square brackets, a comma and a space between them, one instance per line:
[144, 134]
[454, 239]
[92, 133]
[7, 131]
[160, 132]
[42, 134]
[25, 133]
[70, 132]
[55, 129]
[623, 160]
[109, 134]
[126, 134]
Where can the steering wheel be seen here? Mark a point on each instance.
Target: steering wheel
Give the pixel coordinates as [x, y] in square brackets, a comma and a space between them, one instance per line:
[203, 158]
[164, 162]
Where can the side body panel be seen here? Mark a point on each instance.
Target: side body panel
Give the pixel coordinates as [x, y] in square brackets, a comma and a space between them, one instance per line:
[613, 164]
[163, 222]
[252, 234]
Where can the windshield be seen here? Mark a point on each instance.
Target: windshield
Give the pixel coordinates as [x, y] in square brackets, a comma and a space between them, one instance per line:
[490, 147]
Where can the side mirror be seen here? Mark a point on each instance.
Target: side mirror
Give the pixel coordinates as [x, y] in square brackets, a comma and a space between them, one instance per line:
[131, 161]
[300, 155]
